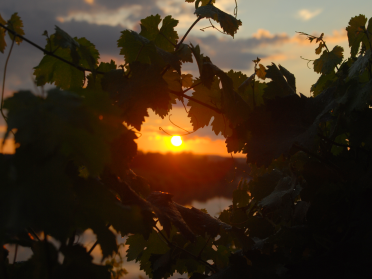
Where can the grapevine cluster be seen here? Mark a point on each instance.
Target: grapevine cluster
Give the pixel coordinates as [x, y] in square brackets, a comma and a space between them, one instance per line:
[305, 214]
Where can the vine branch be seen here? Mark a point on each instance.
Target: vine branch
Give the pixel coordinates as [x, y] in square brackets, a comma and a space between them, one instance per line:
[47, 52]
[3, 89]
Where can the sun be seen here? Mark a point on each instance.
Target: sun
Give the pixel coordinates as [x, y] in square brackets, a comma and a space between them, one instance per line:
[176, 140]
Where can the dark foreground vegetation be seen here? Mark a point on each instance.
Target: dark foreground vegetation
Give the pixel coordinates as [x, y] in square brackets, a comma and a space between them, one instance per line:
[306, 212]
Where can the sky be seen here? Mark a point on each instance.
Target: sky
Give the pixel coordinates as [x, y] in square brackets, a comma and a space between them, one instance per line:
[268, 31]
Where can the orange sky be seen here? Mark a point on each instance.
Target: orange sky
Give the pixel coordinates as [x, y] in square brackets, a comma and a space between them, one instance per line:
[152, 139]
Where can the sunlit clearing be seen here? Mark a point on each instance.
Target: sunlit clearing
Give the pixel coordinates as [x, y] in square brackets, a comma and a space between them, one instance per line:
[176, 140]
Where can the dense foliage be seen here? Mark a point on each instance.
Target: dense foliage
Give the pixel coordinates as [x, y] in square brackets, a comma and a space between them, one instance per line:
[304, 214]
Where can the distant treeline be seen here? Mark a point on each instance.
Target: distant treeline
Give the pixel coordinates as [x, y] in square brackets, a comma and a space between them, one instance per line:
[191, 177]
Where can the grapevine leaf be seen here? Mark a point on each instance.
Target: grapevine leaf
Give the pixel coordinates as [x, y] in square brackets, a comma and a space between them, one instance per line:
[357, 97]
[53, 70]
[2, 21]
[184, 53]
[88, 53]
[95, 83]
[232, 103]
[201, 222]
[235, 143]
[244, 86]
[141, 249]
[284, 187]
[168, 213]
[279, 86]
[78, 261]
[186, 80]
[145, 89]
[323, 82]
[201, 116]
[261, 72]
[203, 2]
[328, 60]
[149, 27]
[198, 57]
[135, 47]
[165, 38]
[229, 24]
[167, 30]
[2, 35]
[361, 63]
[291, 80]
[290, 119]
[318, 50]
[355, 33]
[73, 137]
[173, 79]
[64, 40]
[15, 24]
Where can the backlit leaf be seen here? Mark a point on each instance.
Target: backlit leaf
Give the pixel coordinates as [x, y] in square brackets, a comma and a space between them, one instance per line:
[355, 33]
[186, 80]
[2, 35]
[261, 72]
[323, 82]
[361, 63]
[329, 60]
[135, 47]
[15, 23]
[201, 116]
[165, 38]
[318, 50]
[184, 53]
[279, 86]
[229, 24]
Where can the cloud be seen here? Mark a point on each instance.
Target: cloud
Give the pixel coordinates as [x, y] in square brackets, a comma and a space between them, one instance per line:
[306, 14]
[228, 53]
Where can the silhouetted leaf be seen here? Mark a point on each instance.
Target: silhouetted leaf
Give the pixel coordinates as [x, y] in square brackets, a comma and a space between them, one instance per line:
[229, 24]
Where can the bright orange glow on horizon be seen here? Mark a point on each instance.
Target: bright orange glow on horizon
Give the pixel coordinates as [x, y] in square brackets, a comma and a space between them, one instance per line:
[176, 140]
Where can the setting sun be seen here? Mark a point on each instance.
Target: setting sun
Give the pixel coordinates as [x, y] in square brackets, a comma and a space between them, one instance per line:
[176, 140]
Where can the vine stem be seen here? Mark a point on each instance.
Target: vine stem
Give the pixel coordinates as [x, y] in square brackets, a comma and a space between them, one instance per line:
[196, 101]
[191, 27]
[3, 89]
[188, 31]
[48, 52]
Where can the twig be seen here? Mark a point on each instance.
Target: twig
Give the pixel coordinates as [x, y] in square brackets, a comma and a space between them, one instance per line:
[49, 52]
[167, 39]
[3, 89]
[331, 141]
[72, 239]
[188, 31]
[15, 253]
[34, 233]
[195, 85]
[205, 245]
[95, 243]
[196, 101]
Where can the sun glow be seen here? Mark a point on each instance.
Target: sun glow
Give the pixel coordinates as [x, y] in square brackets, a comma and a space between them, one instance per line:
[176, 140]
